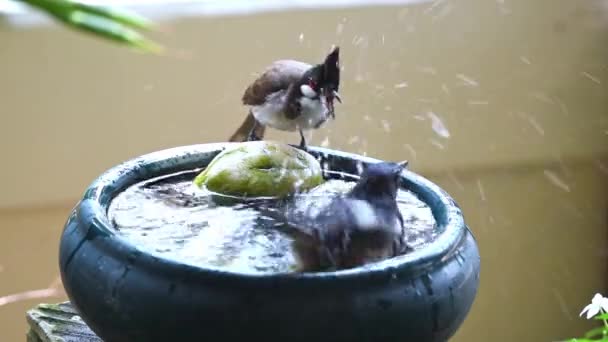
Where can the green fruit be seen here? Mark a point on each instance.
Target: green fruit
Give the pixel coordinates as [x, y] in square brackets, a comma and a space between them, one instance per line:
[261, 169]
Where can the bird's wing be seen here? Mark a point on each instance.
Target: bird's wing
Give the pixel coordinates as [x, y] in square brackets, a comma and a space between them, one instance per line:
[278, 76]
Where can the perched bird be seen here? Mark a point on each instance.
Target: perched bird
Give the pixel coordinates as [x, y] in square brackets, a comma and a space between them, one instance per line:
[291, 96]
[361, 226]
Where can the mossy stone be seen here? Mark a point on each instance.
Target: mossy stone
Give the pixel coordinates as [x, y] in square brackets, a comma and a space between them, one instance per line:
[261, 169]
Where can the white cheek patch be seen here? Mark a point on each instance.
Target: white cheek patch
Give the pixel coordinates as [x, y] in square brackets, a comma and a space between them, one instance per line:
[364, 214]
[308, 91]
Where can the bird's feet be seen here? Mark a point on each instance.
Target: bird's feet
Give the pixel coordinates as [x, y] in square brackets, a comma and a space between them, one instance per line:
[302, 145]
[253, 137]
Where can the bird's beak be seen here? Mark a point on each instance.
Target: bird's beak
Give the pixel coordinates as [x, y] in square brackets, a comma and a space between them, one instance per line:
[337, 96]
[403, 164]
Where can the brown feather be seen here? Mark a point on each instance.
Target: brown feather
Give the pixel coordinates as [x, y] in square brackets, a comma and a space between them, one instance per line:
[278, 76]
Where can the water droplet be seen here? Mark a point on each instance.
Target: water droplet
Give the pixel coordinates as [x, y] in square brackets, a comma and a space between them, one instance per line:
[445, 89]
[477, 102]
[339, 29]
[554, 178]
[591, 77]
[482, 194]
[437, 144]
[468, 81]
[427, 70]
[325, 142]
[411, 150]
[438, 125]
[386, 125]
[536, 125]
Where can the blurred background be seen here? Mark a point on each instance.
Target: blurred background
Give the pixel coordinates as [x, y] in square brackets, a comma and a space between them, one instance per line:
[503, 103]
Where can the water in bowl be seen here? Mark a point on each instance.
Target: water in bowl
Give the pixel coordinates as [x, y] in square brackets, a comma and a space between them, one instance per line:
[172, 218]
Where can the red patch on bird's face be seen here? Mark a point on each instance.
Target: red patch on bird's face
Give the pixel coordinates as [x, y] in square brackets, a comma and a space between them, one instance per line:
[312, 84]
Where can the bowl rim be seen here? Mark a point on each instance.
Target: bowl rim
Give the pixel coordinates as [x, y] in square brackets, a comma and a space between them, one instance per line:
[93, 206]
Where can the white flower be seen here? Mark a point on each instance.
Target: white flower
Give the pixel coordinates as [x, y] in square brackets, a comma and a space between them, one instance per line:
[598, 303]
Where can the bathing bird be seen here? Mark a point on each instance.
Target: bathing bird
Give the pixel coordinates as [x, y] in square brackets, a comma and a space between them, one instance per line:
[360, 226]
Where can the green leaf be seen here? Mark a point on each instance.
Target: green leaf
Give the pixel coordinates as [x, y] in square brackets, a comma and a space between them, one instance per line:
[121, 16]
[111, 30]
[601, 317]
[107, 23]
[599, 331]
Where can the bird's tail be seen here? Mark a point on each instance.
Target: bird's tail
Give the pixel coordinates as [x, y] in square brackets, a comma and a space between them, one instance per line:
[287, 222]
[242, 133]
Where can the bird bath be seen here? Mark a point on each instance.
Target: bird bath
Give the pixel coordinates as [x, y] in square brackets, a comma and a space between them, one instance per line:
[127, 291]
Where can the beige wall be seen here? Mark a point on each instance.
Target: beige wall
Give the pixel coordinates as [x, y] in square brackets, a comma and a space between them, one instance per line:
[523, 157]
[72, 106]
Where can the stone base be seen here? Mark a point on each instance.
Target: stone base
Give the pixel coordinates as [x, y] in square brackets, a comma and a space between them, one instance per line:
[58, 322]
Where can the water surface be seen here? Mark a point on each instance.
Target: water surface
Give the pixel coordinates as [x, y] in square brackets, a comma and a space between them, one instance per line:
[171, 217]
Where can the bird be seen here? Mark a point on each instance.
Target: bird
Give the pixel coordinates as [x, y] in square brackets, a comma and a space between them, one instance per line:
[291, 95]
[361, 226]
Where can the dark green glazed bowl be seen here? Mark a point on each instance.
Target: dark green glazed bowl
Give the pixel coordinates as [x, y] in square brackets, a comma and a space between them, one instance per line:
[125, 294]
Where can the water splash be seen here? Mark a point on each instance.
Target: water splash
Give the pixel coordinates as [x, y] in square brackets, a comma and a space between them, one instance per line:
[468, 81]
[445, 89]
[554, 178]
[434, 5]
[539, 95]
[360, 40]
[478, 102]
[562, 106]
[427, 70]
[562, 303]
[359, 168]
[551, 100]
[400, 85]
[438, 126]
[482, 193]
[591, 77]
[536, 125]
[301, 38]
[339, 29]
[411, 150]
[325, 142]
[525, 60]
[443, 12]
[455, 180]
[386, 125]
[601, 166]
[353, 140]
[437, 144]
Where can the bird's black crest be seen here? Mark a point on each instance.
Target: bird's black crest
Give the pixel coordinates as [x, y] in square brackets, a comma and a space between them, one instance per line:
[331, 69]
